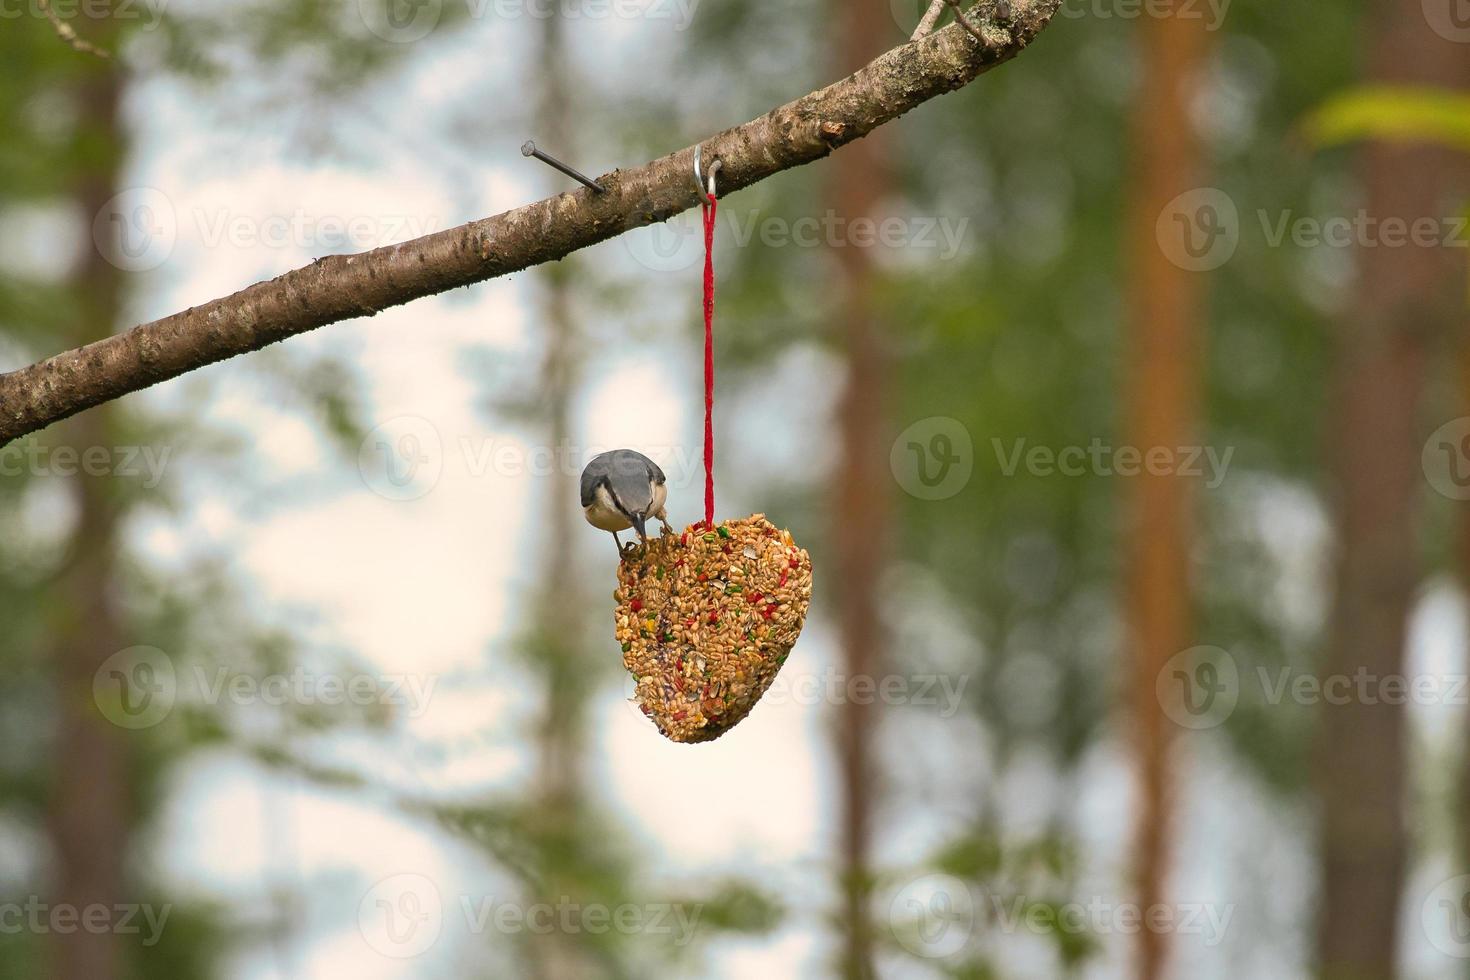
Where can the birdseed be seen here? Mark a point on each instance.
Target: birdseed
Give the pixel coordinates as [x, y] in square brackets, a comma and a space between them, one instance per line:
[707, 618]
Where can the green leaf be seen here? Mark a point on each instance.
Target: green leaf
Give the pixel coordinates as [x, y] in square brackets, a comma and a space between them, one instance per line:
[1393, 113]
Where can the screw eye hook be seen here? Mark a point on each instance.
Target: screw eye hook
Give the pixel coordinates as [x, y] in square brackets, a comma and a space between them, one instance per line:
[706, 195]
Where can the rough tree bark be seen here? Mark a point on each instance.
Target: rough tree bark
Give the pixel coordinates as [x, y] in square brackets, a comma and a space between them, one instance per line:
[1408, 299]
[1161, 382]
[341, 287]
[859, 180]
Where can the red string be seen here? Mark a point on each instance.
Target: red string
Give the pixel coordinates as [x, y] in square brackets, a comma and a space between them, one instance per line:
[709, 209]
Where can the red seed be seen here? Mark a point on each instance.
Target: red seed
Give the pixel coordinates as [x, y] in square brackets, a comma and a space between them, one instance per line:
[756, 597]
[680, 715]
[636, 605]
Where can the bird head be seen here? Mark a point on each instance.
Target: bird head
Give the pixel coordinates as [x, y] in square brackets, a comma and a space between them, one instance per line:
[627, 480]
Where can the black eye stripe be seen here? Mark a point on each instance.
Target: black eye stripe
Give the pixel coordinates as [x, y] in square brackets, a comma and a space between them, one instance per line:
[612, 494]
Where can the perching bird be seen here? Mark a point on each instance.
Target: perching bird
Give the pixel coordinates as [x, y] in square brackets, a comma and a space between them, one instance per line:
[623, 489]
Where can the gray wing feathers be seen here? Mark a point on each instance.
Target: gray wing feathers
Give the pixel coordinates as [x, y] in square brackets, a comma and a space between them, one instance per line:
[626, 473]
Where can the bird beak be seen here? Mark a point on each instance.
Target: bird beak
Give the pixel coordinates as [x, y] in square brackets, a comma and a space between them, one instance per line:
[638, 525]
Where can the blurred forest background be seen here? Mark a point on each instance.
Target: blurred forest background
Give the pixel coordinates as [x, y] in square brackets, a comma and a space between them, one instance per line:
[1056, 714]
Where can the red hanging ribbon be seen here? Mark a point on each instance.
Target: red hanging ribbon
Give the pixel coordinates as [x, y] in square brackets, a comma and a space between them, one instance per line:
[709, 208]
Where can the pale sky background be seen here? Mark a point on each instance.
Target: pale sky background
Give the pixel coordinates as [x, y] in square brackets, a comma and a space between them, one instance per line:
[432, 586]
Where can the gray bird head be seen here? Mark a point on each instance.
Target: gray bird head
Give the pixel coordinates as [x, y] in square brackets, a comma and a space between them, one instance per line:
[631, 480]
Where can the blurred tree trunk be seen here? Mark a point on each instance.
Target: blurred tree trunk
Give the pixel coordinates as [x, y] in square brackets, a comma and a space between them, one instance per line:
[1162, 382]
[1407, 300]
[859, 181]
[560, 624]
[90, 820]
[1461, 843]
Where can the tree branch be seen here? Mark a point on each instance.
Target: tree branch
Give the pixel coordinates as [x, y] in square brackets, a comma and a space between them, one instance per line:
[339, 287]
[66, 33]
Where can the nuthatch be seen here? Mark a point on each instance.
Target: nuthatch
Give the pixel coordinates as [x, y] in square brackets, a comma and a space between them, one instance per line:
[623, 489]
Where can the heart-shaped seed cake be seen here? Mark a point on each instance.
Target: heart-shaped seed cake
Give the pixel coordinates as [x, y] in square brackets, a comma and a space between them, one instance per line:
[707, 618]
